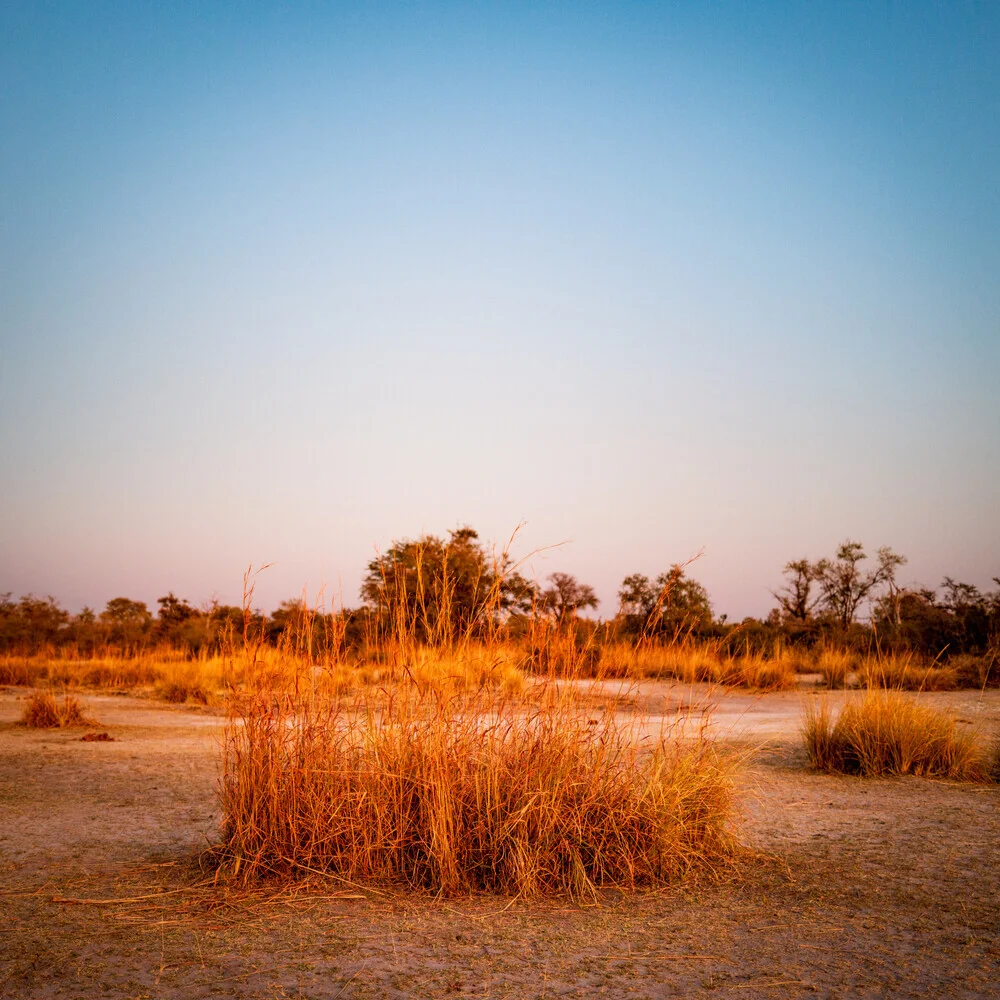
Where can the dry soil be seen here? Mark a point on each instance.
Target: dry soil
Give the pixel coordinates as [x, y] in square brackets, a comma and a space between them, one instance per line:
[858, 888]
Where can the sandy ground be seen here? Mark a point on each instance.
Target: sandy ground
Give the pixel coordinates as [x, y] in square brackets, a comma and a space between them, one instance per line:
[859, 888]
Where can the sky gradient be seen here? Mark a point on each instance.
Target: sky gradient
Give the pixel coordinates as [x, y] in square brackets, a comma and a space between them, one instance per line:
[283, 284]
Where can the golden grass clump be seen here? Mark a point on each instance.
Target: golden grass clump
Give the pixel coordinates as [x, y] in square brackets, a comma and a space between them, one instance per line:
[885, 732]
[759, 672]
[183, 682]
[471, 793]
[45, 711]
[904, 672]
[834, 665]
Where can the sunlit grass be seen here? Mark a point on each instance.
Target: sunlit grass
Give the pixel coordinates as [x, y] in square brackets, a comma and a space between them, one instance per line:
[475, 791]
[887, 732]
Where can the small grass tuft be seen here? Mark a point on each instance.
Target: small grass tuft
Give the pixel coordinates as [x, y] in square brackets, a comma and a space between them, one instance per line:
[45, 711]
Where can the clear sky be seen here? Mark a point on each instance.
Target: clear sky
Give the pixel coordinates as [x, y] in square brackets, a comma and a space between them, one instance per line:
[280, 283]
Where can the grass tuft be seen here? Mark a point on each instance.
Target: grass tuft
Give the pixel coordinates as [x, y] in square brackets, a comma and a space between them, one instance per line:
[476, 792]
[905, 672]
[885, 733]
[45, 711]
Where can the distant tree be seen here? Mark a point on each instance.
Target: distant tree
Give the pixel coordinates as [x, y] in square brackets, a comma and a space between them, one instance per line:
[565, 597]
[31, 622]
[174, 611]
[437, 590]
[796, 600]
[914, 619]
[127, 620]
[971, 611]
[673, 603]
[845, 586]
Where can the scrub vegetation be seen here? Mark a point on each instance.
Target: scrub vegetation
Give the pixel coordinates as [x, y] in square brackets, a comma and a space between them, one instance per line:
[451, 589]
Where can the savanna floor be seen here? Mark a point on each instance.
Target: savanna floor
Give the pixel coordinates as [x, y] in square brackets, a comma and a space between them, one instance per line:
[859, 888]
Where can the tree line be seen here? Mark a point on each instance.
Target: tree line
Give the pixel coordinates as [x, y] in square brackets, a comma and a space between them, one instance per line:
[437, 590]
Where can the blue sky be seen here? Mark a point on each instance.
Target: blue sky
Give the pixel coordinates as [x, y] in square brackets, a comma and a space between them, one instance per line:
[283, 283]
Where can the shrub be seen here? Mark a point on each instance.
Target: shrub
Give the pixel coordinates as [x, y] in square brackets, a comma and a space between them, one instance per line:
[885, 732]
[44, 711]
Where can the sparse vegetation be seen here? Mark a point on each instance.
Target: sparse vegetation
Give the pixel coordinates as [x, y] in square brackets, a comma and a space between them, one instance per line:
[886, 732]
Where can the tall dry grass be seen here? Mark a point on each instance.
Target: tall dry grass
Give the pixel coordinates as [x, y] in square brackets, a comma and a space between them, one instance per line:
[835, 666]
[905, 672]
[463, 794]
[885, 732]
[694, 663]
[456, 773]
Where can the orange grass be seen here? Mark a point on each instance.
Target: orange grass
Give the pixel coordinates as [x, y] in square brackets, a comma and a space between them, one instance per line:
[461, 793]
[905, 672]
[45, 711]
[693, 663]
[886, 732]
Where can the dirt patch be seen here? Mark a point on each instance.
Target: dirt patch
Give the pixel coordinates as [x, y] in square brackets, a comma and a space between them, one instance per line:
[861, 888]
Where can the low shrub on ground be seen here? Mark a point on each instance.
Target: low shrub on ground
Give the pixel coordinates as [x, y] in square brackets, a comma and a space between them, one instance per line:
[45, 711]
[471, 793]
[886, 732]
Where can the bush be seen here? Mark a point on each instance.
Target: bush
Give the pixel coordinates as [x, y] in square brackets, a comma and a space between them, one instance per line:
[43, 711]
[885, 732]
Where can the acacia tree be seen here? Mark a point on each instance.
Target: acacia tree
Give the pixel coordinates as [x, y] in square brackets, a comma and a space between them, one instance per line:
[565, 597]
[796, 599]
[844, 585]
